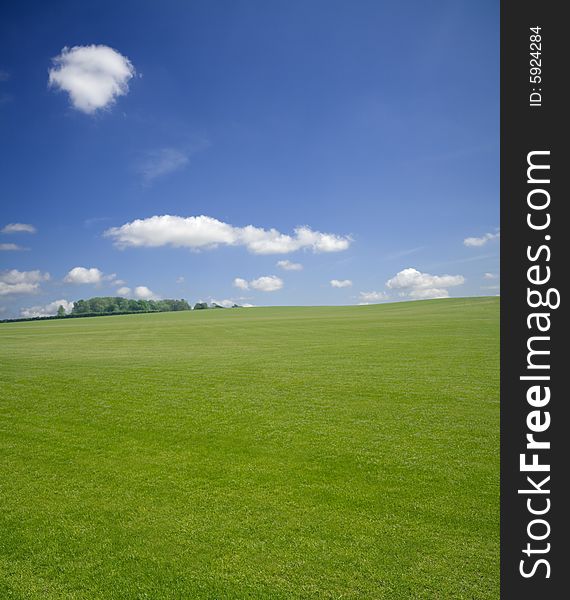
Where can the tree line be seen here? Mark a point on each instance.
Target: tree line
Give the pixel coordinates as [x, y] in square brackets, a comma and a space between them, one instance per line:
[114, 304]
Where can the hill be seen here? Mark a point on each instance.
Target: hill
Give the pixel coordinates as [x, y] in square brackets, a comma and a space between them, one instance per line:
[298, 452]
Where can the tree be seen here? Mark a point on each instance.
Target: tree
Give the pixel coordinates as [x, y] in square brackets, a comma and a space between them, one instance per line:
[80, 307]
[61, 311]
[133, 306]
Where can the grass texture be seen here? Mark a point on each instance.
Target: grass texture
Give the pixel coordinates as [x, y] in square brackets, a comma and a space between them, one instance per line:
[259, 453]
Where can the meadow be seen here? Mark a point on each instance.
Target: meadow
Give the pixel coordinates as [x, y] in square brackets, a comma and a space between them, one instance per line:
[258, 453]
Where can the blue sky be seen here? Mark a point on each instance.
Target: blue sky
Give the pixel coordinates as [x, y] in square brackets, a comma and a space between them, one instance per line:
[365, 134]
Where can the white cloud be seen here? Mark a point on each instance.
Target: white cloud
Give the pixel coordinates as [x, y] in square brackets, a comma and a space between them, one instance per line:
[11, 248]
[481, 241]
[4, 75]
[17, 288]
[47, 310]
[84, 275]
[415, 284]
[412, 278]
[490, 276]
[225, 303]
[240, 283]
[206, 232]
[340, 283]
[267, 283]
[433, 293]
[18, 228]
[93, 76]
[144, 293]
[371, 297]
[124, 291]
[161, 162]
[180, 279]
[21, 282]
[287, 265]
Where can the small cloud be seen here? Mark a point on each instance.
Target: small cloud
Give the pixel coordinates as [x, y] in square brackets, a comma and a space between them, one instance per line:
[161, 162]
[180, 279]
[94, 76]
[124, 291]
[241, 284]
[82, 275]
[481, 241]
[372, 297]
[18, 228]
[95, 221]
[21, 282]
[11, 248]
[287, 265]
[144, 293]
[47, 310]
[227, 303]
[428, 293]
[403, 253]
[490, 276]
[340, 283]
[4, 75]
[267, 283]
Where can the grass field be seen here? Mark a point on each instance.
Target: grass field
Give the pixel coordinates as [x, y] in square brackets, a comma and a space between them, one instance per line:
[279, 453]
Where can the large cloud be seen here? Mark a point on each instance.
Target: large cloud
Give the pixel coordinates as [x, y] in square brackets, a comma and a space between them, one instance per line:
[267, 283]
[481, 241]
[21, 282]
[84, 275]
[206, 232]
[412, 278]
[47, 310]
[415, 284]
[93, 76]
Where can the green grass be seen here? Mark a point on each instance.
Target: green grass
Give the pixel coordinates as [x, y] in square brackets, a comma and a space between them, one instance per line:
[279, 453]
